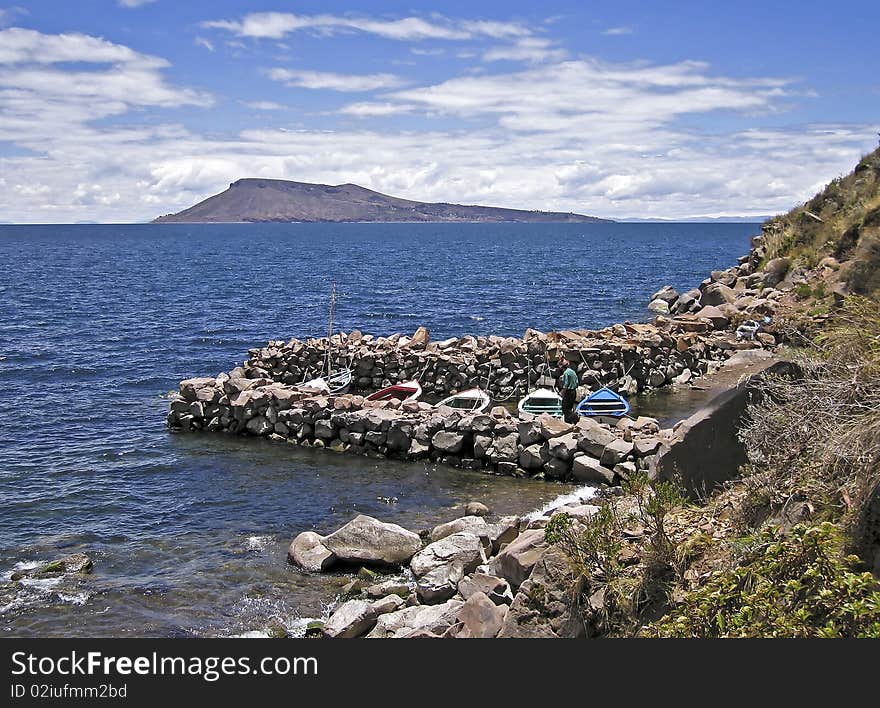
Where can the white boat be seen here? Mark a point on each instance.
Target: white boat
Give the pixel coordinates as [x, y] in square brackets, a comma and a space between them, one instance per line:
[335, 383]
[541, 400]
[404, 391]
[473, 400]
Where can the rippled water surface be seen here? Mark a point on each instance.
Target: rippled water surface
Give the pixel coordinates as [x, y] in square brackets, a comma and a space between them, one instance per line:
[189, 533]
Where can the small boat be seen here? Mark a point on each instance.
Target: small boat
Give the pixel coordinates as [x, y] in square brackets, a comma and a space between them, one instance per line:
[473, 399]
[603, 403]
[335, 383]
[541, 400]
[405, 391]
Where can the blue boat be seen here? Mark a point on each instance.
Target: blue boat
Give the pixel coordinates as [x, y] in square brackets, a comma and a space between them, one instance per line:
[603, 403]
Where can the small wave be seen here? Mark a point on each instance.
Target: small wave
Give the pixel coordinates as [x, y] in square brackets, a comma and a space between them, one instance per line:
[477, 318]
[257, 543]
[578, 496]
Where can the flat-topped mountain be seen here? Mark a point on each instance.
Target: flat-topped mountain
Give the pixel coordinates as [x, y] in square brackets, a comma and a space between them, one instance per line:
[267, 200]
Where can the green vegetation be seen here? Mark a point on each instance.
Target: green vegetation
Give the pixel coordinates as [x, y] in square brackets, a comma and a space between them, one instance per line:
[797, 585]
[842, 221]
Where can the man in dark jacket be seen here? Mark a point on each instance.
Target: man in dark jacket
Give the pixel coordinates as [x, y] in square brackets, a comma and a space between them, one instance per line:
[569, 390]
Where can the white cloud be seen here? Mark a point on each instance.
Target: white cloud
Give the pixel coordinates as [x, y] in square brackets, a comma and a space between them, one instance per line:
[202, 42]
[617, 31]
[276, 25]
[264, 105]
[584, 135]
[134, 3]
[334, 82]
[528, 49]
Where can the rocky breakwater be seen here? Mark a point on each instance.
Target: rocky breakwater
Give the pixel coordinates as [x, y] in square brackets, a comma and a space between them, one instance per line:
[497, 442]
[467, 578]
[754, 289]
[629, 357]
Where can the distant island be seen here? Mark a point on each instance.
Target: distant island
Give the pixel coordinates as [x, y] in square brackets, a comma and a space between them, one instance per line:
[276, 200]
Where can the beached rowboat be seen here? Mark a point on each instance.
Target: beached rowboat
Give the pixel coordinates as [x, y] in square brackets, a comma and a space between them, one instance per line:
[405, 391]
[542, 400]
[603, 403]
[473, 399]
[335, 383]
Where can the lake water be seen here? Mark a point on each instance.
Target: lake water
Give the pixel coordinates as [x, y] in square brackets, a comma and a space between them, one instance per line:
[189, 533]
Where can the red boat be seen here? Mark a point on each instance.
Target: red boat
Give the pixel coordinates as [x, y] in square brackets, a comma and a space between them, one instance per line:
[404, 391]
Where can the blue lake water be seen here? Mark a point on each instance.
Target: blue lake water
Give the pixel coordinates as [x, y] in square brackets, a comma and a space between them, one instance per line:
[189, 533]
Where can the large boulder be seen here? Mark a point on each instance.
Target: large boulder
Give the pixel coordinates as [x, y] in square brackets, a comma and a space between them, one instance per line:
[594, 438]
[534, 457]
[308, 552]
[717, 294]
[588, 469]
[546, 603]
[552, 427]
[504, 448]
[667, 294]
[368, 541]
[480, 618]
[476, 525]
[661, 307]
[419, 619]
[516, 561]
[564, 446]
[718, 319]
[468, 549]
[616, 451]
[440, 584]
[775, 271]
[351, 619]
[448, 442]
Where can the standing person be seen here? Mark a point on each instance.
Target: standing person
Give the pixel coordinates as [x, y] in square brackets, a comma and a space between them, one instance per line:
[569, 390]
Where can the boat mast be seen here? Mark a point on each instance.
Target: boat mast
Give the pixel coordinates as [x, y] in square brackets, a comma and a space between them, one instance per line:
[330, 325]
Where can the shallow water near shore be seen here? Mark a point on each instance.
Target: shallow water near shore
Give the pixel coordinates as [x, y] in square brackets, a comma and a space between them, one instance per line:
[189, 533]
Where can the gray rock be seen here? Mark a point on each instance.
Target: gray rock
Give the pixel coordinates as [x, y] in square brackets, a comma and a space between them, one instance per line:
[661, 307]
[516, 561]
[717, 294]
[529, 432]
[308, 552]
[496, 589]
[351, 619]
[589, 469]
[594, 437]
[480, 618]
[667, 293]
[448, 442]
[545, 605]
[259, 425]
[462, 547]
[439, 584]
[503, 531]
[473, 524]
[615, 452]
[388, 587]
[564, 446]
[534, 457]
[389, 603]
[366, 540]
[552, 427]
[434, 619]
[556, 469]
[504, 448]
[476, 508]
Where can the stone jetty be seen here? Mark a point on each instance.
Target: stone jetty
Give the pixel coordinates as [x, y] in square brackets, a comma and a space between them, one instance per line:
[693, 334]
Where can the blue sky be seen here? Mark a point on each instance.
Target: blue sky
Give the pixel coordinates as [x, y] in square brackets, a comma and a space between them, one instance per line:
[121, 110]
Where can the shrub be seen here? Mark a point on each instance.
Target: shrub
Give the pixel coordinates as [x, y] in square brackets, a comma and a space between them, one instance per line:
[794, 586]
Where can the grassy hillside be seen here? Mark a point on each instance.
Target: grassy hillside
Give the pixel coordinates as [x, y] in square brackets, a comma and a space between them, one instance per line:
[791, 548]
[842, 222]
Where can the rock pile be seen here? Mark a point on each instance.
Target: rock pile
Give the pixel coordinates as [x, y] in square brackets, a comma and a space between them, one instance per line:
[629, 357]
[497, 442]
[473, 578]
